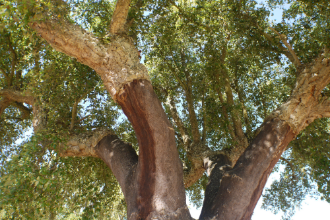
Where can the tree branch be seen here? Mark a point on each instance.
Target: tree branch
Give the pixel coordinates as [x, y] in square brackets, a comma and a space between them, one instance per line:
[119, 17]
[117, 63]
[239, 134]
[24, 110]
[179, 123]
[282, 49]
[158, 155]
[17, 96]
[83, 145]
[4, 103]
[5, 74]
[120, 157]
[195, 151]
[13, 61]
[71, 40]
[283, 38]
[190, 101]
[204, 119]
[216, 165]
[241, 97]
[75, 109]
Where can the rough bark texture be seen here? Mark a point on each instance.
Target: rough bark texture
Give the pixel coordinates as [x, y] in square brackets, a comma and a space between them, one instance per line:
[83, 145]
[305, 103]
[160, 187]
[153, 183]
[119, 16]
[17, 96]
[241, 187]
[117, 63]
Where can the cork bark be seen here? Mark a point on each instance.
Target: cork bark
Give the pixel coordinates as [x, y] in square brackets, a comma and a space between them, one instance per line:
[153, 181]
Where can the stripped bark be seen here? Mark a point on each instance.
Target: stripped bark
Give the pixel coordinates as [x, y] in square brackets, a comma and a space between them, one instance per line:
[152, 184]
[242, 186]
[160, 190]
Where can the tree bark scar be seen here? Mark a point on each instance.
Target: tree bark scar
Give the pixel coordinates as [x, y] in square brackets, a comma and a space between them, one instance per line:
[242, 186]
[287, 135]
[132, 100]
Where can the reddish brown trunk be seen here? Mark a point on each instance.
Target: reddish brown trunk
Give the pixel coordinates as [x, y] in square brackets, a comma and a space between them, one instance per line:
[241, 187]
[160, 190]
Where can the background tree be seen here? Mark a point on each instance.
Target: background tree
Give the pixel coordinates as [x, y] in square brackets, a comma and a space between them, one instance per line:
[238, 89]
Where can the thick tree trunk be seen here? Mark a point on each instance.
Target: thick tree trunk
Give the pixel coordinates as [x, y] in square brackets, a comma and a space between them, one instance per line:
[153, 182]
[159, 178]
[242, 186]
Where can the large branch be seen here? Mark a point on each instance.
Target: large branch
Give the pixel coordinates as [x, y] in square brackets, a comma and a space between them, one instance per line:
[13, 61]
[117, 63]
[159, 172]
[306, 103]
[128, 83]
[242, 186]
[119, 17]
[283, 38]
[17, 96]
[5, 75]
[83, 145]
[119, 156]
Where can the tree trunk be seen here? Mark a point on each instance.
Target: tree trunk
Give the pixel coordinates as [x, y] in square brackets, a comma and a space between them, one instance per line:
[160, 193]
[234, 194]
[153, 182]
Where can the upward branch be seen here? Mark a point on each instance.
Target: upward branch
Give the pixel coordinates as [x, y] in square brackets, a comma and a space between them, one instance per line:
[283, 38]
[119, 17]
[117, 63]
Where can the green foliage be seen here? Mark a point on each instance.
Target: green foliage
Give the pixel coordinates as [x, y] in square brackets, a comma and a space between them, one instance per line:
[204, 51]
